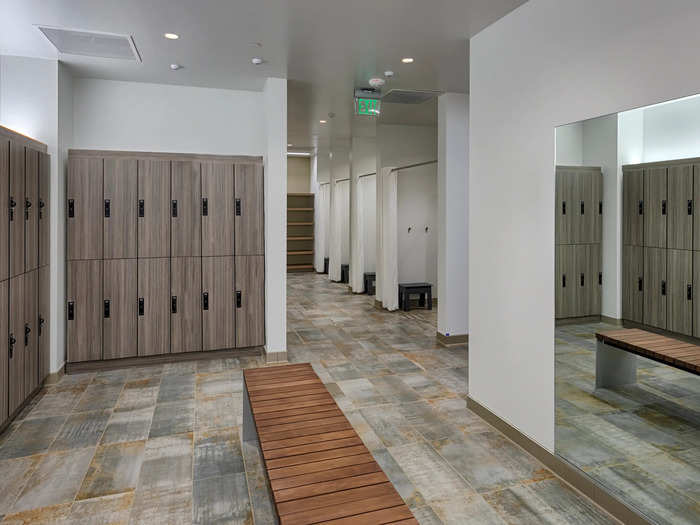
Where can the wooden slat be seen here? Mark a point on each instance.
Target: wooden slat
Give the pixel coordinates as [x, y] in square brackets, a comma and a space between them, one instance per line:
[300, 417]
[292, 412]
[351, 508]
[335, 498]
[327, 487]
[313, 447]
[325, 475]
[301, 432]
[378, 517]
[316, 456]
[289, 406]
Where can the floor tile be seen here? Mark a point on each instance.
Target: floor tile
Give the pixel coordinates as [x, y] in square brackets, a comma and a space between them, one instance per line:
[222, 500]
[33, 436]
[80, 430]
[217, 453]
[128, 425]
[167, 463]
[173, 418]
[114, 469]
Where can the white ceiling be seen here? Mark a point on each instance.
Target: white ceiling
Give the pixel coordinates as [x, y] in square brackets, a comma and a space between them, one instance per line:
[324, 47]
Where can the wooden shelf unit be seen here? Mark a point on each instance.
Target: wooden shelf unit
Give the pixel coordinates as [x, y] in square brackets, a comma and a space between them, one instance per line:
[300, 228]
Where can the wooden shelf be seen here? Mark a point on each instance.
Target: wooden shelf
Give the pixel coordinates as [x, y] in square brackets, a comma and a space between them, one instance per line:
[300, 267]
[300, 209]
[300, 224]
[299, 194]
[303, 252]
[310, 238]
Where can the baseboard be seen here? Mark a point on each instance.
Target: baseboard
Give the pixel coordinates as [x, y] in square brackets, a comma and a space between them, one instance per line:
[611, 320]
[451, 340]
[275, 357]
[578, 320]
[568, 473]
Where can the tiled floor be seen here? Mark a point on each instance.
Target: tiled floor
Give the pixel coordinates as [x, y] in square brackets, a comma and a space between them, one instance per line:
[162, 444]
[641, 441]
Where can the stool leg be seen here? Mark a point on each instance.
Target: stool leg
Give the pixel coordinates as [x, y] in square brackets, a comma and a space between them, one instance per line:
[430, 299]
[406, 301]
[421, 299]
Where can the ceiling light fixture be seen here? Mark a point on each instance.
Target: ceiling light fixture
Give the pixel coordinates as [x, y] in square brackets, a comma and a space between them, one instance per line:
[407, 60]
[175, 67]
[290, 145]
[322, 121]
[171, 36]
[257, 61]
[388, 73]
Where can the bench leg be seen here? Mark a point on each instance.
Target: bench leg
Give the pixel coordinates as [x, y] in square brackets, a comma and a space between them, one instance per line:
[614, 367]
[250, 433]
[430, 300]
[421, 300]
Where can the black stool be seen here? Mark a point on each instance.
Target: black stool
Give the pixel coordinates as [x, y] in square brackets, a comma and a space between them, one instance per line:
[422, 289]
[370, 279]
[344, 273]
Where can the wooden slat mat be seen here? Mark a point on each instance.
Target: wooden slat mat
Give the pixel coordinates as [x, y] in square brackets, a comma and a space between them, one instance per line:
[679, 354]
[318, 467]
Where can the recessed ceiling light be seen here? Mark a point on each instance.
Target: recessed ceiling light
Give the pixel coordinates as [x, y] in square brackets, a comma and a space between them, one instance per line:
[171, 36]
[322, 121]
[257, 61]
[175, 67]
[407, 60]
[290, 145]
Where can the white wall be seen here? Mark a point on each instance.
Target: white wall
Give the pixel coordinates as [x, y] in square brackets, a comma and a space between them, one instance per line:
[298, 175]
[368, 187]
[363, 205]
[672, 131]
[569, 143]
[573, 61]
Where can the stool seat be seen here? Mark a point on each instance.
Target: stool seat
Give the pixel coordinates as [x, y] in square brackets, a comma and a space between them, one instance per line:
[423, 290]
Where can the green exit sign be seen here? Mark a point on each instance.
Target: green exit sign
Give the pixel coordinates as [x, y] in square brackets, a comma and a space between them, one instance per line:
[367, 106]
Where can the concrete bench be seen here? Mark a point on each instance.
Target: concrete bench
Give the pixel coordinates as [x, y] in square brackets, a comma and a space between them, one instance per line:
[423, 290]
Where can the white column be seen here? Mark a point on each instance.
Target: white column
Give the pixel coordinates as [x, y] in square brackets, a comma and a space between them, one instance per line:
[363, 162]
[453, 231]
[275, 92]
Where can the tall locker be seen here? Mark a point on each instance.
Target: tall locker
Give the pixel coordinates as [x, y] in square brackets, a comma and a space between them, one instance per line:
[249, 206]
[16, 343]
[679, 291]
[250, 300]
[84, 189]
[680, 207]
[84, 310]
[633, 283]
[218, 301]
[565, 285]
[44, 327]
[44, 208]
[597, 205]
[119, 308]
[120, 207]
[696, 289]
[655, 207]
[16, 209]
[4, 208]
[564, 187]
[31, 209]
[633, 207]
[655, 287]
[153, 306]
[4, 351]
[154, 208]
[592, 281]
[186, 304]
[31, 332]
[186, 218]
[585, 217]
[217, 208]
[696, 202]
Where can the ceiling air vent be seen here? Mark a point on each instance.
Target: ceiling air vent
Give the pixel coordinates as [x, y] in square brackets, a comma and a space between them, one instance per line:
[91, 43]
[409, 96]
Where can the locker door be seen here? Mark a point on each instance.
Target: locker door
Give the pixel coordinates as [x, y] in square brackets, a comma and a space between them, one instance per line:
[185, 209]
[154, 208]
[31, 332]
[120, 308]
[565, 285]
[655, 287]
[597, 206]
[217, 209]
[583, 213]
[84, 236]
[249, 206]
[696, 290]
[655, 207]
[16, 209]
[153, 306]
[632, 283]
[633, 207]
[680, 291]
[31, 209]
[120, 208]
[583, 298]
[16, 343]
[4, 208]
[186, 304]
[594, 279]
[4, 349]
[44, 323]
[250, 301]
[44, 208]
[84, 310]
[696, 202]
[680, 207]
[218, 299]
[564, 196]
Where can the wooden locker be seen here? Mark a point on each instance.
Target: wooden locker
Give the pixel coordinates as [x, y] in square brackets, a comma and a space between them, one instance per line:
[120, 309]
[655, 287]
[4, 351]
[217, 208]
[633, 207]
[249, 206]
[84, 209]
[633, 283]
[16, 209]
[655, 207]
[44, 209]
[696, 290]
[696, 202]
[44, 326]
[218, 300]
[16, 344]
[564, 197]
[597, 205]
[593, 280]
[84, 310]
[120, 208]
[185, 209]
[250, 300]
[31, 209]
[186, 304]
[583, 213]
[154, 208]
[4, 208]
[680, 207]
[153, 306]
[31, 332]
[680, 291]
[565, 285]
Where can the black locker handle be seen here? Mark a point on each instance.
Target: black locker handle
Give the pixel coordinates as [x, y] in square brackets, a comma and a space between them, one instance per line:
[41, 324]
[663, 207]
[238, 299]
[583, 212]
[27, 205]
[108, 210]
[71, 310]
[71, 208]
[173, 304]
[690, 206]
[563, 281]
[600, 207]
[640, 284]
[13, 204]
[641, 207]
[173, 206]
[205, 206]
[107, 308]
[238, 207]
[563, 207]
[27, 331]
[42, 205]
[689, 292]
[663, 287]
[142, 306]
[205, 301]
[142, 208]
[582, 276]
[12, 344]
[600, 277]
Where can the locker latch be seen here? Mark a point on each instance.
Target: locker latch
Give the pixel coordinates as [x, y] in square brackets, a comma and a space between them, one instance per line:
[663, 207]
[27, 331]
[108, 207]
[563, 208]
[640, 284]
[582, 208]
[142, 208]
[27, 205]
[641, 207]
[71, 310]
[12, 344]
[238, 299]
[71, 208]
[41, 324]
[600, 207]
[205, 301]
[42, 205]
[690, 207]
[13, 204]
[205, 206]
[173, 208]
[581, 279]
[142, 306]
[563, 281]
[689, 292]
[600, 277]
[106, 313]
[173, 304]
[238, 207]
[663, 287]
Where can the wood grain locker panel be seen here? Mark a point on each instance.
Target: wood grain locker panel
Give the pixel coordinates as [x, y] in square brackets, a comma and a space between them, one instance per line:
[16, 340]
[696, 202]
[186, 304]
[31, 209]
[633, 207]
[565, 284]
[679, 291]
[44, 209]
[44, 326]
[4, 351]
[250, 300]
[154, 306]
[583, 212]
[680, 207]
[655, 207]
[564, 200]
[633, 283]
[120, 208]
[655, 298]
[186, 217]
[250, 206]
[4, 208]
[84, 305]
[597, 206]
[583, 279]
[16, 209]
[154, 202]
[218, 301]
[31, 332]
[120, 309]
[594, 287]
[84, 209]
[696, 292]
[217, 209]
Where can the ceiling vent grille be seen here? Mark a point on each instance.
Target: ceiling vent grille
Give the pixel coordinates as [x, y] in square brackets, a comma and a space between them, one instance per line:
[91, 43]
[408, 96]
